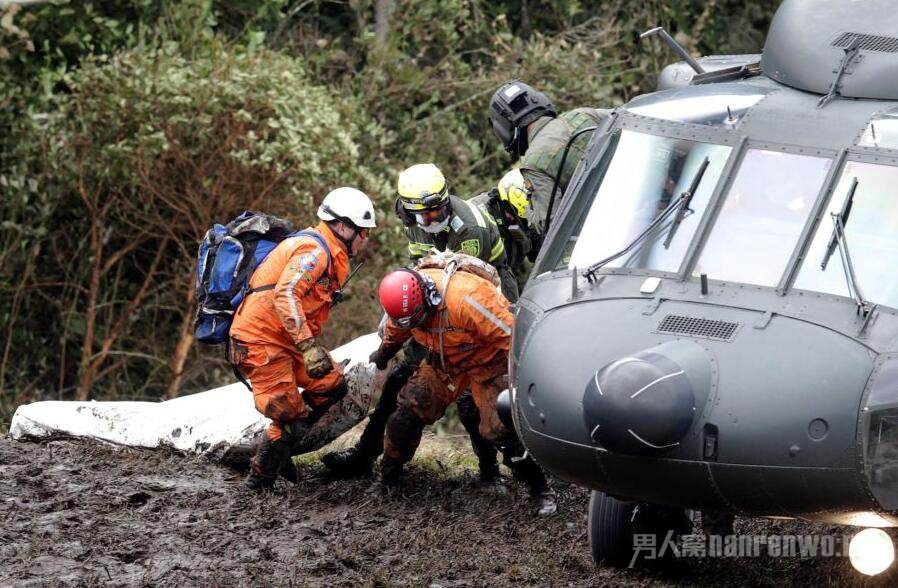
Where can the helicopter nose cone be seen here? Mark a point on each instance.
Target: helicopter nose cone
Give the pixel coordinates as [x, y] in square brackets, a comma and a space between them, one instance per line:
[641, 404]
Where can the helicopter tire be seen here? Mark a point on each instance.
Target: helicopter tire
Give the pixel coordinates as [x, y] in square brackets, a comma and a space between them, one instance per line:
[610, 529]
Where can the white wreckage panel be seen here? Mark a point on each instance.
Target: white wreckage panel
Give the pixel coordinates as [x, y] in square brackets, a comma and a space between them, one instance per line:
[221, 423]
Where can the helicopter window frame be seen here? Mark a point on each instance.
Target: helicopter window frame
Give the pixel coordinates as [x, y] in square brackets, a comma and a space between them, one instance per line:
[703, 232]
[855, 154]
[592, 176]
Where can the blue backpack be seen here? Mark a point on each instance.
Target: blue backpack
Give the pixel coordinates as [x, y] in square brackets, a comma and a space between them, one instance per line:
[227, 257]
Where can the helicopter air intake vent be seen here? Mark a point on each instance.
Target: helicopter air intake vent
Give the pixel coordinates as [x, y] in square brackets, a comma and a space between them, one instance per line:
[676, 324]
[877, 43]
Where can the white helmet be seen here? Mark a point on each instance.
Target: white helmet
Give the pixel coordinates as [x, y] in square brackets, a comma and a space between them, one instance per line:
[348, 205]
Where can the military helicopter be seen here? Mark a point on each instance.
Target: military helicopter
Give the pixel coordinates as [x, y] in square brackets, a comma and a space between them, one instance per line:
[712, 323]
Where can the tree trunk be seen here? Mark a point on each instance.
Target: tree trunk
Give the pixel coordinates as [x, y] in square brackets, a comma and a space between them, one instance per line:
[182, 349]
[87, 371]
[382, 11]
[525, 21]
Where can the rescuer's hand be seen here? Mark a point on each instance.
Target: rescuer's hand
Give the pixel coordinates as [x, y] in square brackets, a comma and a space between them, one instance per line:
[318, 362]
[382, 356]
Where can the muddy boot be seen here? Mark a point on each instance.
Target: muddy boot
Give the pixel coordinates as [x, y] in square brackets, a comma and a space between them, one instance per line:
[289, 471]
[391, 473]
[485, 451]
[528, 471]
[357, 462]
[353, 462]
[491, 482]
[489, 472]
[269, 460]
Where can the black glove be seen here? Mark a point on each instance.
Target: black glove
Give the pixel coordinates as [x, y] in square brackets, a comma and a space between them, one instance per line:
[382, 356]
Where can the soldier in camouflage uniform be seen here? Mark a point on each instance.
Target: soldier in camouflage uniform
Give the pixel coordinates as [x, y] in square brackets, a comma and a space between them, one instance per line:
[434, 220]
[530, 128]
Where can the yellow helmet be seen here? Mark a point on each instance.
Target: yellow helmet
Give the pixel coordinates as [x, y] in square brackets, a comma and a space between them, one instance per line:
[516, 191]
[422, 187]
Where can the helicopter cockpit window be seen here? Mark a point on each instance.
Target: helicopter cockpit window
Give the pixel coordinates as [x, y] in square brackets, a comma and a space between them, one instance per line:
[762, 217]
[871, 232]
[645, 176]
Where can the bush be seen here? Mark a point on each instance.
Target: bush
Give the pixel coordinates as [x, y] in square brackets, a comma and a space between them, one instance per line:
[143, 153]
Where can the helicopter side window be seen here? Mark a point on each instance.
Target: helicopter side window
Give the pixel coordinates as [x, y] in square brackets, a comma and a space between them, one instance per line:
[871, 232]
[763, 215]
[645, 176]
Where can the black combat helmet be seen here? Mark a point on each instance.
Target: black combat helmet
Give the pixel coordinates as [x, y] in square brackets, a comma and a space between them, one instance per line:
[514, 106]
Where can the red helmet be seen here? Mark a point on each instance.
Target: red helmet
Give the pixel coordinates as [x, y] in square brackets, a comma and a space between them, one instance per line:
[401, 293]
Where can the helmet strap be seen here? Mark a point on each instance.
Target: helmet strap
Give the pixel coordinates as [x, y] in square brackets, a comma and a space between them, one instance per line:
[519, 141]
[407, 218]
[346, 242]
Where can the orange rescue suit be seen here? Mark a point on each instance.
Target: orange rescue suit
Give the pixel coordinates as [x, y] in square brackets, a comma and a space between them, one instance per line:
[474, 320]
[468, 339]
[270, 324]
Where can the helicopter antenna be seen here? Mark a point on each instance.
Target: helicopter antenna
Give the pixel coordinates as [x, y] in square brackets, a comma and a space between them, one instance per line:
[731, 120]
[677, 48]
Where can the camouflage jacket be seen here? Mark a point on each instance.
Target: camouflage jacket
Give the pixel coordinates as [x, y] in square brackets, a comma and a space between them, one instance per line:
[547, 138]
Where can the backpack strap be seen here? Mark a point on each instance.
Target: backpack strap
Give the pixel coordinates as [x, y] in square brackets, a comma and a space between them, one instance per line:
[320, 239]
[309, 233]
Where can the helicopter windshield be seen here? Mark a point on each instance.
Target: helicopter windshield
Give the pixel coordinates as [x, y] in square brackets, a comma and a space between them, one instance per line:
[871, 232]
[763, 215]
[645, 174]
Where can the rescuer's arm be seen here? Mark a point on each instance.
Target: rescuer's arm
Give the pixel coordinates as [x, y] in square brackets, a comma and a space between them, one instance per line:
[393, 339]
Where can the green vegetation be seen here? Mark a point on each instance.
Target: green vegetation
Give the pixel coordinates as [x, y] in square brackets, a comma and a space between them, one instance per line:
[127, 127]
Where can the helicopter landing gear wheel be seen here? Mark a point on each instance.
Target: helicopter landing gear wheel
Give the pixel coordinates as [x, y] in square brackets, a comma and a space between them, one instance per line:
[610, 529]
[613, 524]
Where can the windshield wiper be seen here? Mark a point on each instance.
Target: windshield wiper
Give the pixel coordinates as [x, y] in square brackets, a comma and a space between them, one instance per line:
[679, 205]
[685, 202]
[843, 216]
[840, 240]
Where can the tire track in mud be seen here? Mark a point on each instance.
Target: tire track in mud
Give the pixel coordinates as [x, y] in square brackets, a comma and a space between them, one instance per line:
[76, 513]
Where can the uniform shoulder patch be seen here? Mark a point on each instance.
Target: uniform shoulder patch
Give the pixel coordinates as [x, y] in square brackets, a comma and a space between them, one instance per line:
[309, 260]
[471, 247]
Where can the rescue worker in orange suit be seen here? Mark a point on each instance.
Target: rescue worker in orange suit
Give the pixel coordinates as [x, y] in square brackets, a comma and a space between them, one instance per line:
[465, 325]
[274, 331]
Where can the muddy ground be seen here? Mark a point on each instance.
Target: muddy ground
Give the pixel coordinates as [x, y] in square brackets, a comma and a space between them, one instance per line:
[80, 513]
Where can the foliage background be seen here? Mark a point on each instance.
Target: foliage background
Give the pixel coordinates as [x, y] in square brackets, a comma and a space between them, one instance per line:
[128, 126]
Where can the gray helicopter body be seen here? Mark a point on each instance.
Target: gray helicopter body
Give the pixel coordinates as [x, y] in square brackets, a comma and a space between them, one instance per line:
[743, 356]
